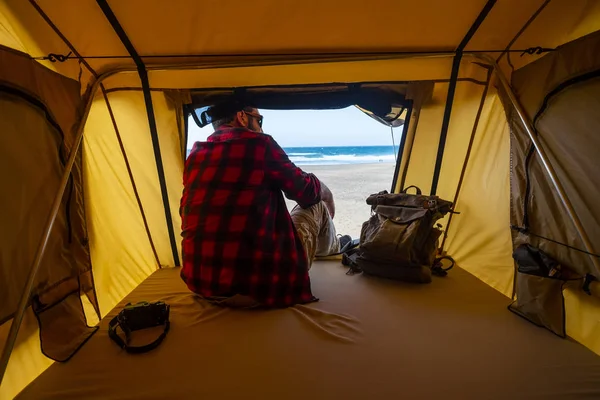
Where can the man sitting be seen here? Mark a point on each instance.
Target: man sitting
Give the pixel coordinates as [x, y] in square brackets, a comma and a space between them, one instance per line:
[241, 246]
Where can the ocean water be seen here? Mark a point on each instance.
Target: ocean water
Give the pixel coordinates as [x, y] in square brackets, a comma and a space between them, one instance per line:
[340, 155]
[336, 155]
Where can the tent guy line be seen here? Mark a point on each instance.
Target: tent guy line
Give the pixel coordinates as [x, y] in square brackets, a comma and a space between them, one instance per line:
[55, 57]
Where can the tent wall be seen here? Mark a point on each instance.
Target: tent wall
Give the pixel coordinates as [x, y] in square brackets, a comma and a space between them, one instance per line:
[478, 238]
[121, 252]
[561, 95]
[29, 126]
[38, 117]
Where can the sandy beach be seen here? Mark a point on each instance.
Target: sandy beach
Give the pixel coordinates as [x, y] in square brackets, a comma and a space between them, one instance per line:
[351, 184]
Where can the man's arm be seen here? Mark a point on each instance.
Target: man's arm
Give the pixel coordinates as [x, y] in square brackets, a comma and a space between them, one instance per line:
[297, 185]
[327, 198]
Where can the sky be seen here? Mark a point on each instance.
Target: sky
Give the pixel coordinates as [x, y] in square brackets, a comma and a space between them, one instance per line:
[307, 128]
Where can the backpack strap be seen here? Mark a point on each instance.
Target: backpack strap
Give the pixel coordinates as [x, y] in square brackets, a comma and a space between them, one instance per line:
[419, 192]
[438, 268]
[349, 260]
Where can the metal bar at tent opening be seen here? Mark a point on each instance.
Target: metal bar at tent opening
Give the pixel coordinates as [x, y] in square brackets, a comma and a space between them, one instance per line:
[292, 61]
[401, 147]
[237, 64]
[143, 73]
[467, 157]
[452, 89]
[308, 85]
[544, 158]
[539, 50]
[241, 64]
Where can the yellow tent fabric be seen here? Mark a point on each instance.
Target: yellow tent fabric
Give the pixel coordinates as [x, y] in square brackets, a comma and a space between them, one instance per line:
[314, 26]
[26, 361]
[315, 42]
[478, 238]
[121, 252]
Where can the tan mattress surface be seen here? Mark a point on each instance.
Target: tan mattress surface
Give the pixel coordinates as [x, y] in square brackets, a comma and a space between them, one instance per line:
[366, 339]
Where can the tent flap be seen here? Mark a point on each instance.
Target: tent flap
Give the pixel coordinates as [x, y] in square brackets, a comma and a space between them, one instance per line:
[38, 116]
[561, 93]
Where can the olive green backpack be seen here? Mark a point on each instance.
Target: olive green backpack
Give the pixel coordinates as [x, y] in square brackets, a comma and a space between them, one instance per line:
[400, 240]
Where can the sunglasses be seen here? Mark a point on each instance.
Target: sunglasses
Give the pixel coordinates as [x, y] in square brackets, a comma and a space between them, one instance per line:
[259, 118]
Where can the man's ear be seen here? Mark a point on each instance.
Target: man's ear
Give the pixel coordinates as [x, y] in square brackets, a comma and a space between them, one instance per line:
[241, 118]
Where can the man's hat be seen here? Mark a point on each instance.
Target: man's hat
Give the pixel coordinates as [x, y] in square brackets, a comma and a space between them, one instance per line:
[208, 115]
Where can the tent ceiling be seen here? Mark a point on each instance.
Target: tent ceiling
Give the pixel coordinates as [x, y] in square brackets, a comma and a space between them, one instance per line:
[561, 22]
[189, 27]
[304, 26]
[213, 27]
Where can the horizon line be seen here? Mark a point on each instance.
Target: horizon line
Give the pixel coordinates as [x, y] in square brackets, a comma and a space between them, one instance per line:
[360, 145]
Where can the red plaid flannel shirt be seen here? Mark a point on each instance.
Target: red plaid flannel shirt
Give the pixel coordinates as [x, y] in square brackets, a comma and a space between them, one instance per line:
[238, 236]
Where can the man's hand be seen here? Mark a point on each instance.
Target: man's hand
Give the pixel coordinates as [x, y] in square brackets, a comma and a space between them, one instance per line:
[327, 198]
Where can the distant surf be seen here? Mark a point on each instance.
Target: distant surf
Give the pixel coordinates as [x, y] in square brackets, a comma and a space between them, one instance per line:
[340, 155]
[336, 155]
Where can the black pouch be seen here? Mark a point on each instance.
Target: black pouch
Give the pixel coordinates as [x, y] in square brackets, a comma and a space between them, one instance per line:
[539, 289]
[533, 261]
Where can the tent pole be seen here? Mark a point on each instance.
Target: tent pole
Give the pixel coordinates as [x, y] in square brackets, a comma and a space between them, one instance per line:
[410, 141]
[452, 89]
[400, 155]
[544, 158]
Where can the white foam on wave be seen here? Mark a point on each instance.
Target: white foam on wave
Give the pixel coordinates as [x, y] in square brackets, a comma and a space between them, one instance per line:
[301, 154]
[342, 159]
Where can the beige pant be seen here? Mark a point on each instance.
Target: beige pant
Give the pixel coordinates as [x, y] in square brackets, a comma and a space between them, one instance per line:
[317, 233]
[316, 230]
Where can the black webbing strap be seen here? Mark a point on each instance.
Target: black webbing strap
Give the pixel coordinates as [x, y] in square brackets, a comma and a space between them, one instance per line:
[451, 90]
[526, 231]
[438, 268]
[124, 344]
